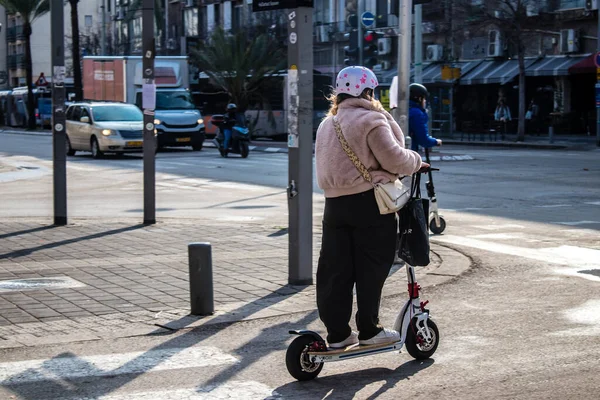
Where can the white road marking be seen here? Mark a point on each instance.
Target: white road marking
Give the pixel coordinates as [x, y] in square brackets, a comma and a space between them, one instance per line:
[593, 203]
[247, 390]
[577, 223]
[112, 364]
[498, 227]
[573, 258]
[554, 205]
[504, 236]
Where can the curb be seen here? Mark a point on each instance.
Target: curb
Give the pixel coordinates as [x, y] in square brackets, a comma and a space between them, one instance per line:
[522, 145]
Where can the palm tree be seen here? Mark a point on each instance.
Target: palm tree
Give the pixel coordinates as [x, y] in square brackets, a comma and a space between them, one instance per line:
[239, 65]
[75, 51]
[29, 11]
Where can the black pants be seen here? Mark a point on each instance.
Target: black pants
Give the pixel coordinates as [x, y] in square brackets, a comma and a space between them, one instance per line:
[358, 247]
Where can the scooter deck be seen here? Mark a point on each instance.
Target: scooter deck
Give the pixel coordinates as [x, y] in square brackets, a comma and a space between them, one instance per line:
[352, 348]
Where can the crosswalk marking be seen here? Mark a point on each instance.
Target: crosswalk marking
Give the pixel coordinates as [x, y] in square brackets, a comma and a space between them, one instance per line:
[577, 223]
[572, 258]
[112, 364]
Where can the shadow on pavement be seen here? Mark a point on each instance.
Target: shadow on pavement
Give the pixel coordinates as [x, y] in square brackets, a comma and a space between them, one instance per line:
[27, 231]
[344, 386]
[28, 251]
[53, 374]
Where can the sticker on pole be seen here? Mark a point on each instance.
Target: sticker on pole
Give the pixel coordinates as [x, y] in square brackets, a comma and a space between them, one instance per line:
[597, 59]
[294, 103]
[58, 75]
[58, 127]
[149, 96]
[293, 38]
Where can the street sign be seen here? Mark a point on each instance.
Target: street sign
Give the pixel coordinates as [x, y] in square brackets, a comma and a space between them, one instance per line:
[367, 19]
[597, 59]
[41, 81]
[267, 5]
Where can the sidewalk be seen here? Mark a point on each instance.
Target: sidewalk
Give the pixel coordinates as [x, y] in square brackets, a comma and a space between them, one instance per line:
[125, 279]
[531, 141]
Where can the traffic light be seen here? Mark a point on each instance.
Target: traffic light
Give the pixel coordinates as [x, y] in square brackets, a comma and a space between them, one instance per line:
[370, 50]
[351, 51]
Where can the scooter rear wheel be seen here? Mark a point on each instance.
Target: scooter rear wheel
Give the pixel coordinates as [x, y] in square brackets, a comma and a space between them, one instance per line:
[244, 149]
[415, 343]
[297, 360]
[435, 228]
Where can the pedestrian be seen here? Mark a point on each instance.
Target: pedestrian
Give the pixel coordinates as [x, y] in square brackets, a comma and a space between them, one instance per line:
[358, 243]
[531, 117]
[502, 113]
[418, 119]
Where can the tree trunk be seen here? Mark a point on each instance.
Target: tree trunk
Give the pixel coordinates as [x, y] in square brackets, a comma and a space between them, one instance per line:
[522, 104]
[75, 51]
[29, 76]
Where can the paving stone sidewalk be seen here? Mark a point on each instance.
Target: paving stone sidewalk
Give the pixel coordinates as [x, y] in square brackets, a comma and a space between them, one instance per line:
[132, 279]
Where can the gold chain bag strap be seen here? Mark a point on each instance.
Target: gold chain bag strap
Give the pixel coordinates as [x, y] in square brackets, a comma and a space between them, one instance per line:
[391, 196]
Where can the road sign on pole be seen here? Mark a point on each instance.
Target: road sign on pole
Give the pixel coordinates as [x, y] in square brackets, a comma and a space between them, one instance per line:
[368, 19]
[148, 105]
[59, 131]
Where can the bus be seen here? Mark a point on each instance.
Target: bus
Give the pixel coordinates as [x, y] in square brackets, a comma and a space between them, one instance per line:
[264, 121]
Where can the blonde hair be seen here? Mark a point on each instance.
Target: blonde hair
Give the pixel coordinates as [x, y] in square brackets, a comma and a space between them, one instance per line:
[337, 99]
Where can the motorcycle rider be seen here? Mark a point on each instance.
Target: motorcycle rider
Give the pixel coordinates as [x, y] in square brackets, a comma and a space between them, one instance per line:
[230, 121]
[418, 118]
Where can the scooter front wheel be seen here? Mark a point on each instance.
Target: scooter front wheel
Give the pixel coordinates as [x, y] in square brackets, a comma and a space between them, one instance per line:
[435, 228]
[416, 344]
[298, 362]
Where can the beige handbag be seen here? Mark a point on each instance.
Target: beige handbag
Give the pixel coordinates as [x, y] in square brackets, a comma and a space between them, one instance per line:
[391, 196]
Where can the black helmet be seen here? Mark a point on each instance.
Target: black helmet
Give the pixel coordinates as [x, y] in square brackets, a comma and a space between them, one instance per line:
[417, 91]
[231, 106]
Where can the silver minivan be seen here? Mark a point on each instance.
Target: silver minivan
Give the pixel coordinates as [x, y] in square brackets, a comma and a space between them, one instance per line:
[104, 127]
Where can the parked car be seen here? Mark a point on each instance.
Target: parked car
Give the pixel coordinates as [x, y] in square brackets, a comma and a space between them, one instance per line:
[104, 127]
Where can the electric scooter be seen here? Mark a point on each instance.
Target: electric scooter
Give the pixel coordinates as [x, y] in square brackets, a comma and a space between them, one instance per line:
[418, 332]
[437, 223]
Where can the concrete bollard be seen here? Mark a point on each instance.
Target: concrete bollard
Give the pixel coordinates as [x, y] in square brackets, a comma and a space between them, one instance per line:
[201, 279]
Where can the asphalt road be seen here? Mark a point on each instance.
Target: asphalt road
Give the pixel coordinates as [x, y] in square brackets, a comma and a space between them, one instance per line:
[523, 323]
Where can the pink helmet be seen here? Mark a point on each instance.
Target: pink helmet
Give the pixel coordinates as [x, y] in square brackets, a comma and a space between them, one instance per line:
[353, 80]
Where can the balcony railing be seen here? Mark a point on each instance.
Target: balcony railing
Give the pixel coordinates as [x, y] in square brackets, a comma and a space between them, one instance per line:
[16, 61]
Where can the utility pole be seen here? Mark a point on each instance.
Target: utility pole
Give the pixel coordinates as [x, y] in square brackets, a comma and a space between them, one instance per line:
[166, 27]
[59, 152]
[300, 143]
[598, 74]
[419, 43]
[404, 44]
[103, 44]
[148, 106]
[361, 10]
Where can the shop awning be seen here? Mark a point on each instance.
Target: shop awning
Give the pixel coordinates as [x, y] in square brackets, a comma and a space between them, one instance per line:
[491, 71]
[585, 66]
[553, 65]
[433, 74]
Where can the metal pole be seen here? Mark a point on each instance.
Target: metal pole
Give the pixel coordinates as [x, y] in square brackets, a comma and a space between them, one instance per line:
[166, 26]
[419, 43]
[300, 130]
[361, 10]
[148, 105]
[103, 7]
[201, 279]
[404, 44]
[598, 108]
[59, 152]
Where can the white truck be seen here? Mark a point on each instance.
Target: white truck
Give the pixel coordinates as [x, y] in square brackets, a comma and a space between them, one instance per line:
[178, 122]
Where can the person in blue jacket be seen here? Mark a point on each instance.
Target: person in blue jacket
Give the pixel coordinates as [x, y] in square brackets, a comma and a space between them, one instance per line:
[418, 119]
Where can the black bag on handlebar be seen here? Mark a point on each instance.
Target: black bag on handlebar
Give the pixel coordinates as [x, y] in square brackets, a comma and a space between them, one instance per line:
[414, 231]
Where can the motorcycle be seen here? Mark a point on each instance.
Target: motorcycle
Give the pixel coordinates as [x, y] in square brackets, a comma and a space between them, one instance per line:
[240, 137]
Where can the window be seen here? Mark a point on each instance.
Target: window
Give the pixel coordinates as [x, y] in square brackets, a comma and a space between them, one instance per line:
[128, 113]
[70, 113]
[84, 113]
[76, 115]
[190, 21]
[568, 4]
[88, 21]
